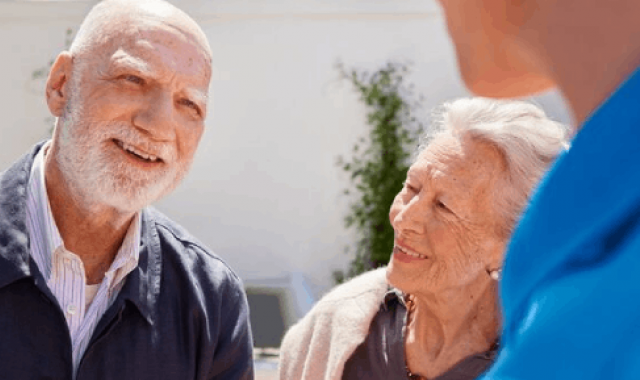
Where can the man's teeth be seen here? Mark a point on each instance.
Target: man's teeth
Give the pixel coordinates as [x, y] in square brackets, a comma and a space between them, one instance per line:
[131, 149]
[413, 254]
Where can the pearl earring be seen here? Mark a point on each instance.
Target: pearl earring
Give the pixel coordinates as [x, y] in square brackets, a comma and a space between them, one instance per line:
[496, 274]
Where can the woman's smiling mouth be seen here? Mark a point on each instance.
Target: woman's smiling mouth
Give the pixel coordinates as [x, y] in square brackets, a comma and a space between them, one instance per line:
[405, 254]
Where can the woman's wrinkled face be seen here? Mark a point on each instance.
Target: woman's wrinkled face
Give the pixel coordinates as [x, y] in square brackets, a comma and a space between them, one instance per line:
[444, 218]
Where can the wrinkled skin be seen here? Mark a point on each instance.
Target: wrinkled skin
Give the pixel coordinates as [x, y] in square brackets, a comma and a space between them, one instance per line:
[136, 78]
[446, 214]
[445, 211]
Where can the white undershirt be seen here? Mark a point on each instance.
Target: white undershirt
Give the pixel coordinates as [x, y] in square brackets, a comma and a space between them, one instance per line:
[89, 294]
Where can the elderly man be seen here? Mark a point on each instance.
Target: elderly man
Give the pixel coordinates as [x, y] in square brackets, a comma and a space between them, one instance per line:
[570, 286]
[94, 285]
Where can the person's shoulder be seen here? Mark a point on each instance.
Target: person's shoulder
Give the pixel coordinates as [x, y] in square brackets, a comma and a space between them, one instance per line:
[187, 252]
[359, 297]
[334, 327]
[371, 283]
[18, 172]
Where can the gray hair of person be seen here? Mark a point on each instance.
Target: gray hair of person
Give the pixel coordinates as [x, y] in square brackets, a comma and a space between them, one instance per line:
[523, 134]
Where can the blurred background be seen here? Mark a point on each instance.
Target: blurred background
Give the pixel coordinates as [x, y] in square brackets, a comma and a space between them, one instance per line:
[265, 191]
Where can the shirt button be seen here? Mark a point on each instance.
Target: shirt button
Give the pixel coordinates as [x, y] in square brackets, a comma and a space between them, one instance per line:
[71, 309]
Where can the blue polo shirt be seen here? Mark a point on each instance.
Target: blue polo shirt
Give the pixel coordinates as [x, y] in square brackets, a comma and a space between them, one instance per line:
[571, 285]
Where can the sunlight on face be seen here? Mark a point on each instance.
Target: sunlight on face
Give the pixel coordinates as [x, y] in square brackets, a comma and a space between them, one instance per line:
[444, 217]
[94, 166]
[134, 117]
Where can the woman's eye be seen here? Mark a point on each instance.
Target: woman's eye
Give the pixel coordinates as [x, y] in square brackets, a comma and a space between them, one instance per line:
[410, 188]
[441, 205]
[133, 79]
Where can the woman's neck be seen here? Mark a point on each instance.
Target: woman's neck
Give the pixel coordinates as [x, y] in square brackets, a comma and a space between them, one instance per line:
[445, 328]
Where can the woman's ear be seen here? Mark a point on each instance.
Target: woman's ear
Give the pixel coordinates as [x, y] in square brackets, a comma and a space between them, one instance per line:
[496, 249]
[57, 90]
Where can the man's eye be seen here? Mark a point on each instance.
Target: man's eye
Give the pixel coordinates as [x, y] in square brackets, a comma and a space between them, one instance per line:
[190, 104]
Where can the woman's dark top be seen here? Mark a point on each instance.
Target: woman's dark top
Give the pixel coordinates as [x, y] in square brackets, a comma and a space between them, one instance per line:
[381, 356]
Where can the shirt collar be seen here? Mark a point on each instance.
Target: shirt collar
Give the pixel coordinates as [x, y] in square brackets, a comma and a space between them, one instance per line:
[142, 287]
[393, 297]
[44, 234]
[46, 237]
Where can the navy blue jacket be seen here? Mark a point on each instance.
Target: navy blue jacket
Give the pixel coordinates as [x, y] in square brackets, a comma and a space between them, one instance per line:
[182, 313]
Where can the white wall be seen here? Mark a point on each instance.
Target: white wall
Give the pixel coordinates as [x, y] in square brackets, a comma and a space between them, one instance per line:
[264, 191]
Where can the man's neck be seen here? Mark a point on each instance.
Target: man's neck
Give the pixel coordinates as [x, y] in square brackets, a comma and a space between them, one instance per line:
[93, 232]
[445, 328]
[587, 51]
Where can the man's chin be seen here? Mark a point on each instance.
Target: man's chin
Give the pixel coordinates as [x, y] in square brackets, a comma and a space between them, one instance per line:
[507, 86]
[124, 203]
[123, 198]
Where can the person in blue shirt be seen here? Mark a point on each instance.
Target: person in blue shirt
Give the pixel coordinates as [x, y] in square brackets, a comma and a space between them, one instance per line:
[570, 284]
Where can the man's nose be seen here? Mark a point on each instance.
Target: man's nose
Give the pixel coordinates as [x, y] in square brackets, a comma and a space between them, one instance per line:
[156, 116]
[410, 217]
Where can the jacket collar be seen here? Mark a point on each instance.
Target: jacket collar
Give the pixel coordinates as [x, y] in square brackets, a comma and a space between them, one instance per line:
[14, 237]
[142, 285]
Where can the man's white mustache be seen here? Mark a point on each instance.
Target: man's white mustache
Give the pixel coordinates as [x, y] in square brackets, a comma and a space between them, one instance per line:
[130, 136]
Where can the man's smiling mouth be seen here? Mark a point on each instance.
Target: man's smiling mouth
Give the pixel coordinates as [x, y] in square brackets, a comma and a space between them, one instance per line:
[137, 152]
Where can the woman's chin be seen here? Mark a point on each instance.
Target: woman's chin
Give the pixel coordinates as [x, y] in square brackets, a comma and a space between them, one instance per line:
[399, 277]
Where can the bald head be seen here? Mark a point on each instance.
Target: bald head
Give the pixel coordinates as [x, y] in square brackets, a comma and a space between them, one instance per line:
[116, 19]
[137, 75]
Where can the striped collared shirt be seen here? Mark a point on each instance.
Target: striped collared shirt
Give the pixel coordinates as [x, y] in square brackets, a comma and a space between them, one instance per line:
[82, 304]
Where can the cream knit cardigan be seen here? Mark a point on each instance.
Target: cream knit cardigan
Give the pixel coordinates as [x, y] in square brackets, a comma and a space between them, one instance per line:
[318, 346]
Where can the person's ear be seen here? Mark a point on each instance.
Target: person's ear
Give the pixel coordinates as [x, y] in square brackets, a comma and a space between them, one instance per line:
[495, 249]
[57, 90]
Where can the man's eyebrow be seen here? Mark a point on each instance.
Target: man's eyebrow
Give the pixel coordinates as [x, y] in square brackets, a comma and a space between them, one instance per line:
[197, 96]
[123, 61]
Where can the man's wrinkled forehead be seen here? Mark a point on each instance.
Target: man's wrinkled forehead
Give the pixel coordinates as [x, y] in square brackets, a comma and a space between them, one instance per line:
[155, 39]
[141, 57]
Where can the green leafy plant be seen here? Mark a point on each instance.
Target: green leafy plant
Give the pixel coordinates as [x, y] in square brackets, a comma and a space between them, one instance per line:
[379, 162]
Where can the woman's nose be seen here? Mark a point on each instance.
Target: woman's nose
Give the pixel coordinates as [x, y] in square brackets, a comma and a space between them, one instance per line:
[409, 217]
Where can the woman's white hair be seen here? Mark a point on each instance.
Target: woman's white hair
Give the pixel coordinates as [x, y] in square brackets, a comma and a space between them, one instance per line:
[526, 138]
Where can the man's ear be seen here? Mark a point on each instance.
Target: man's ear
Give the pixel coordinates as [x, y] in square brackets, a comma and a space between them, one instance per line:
[57, 90]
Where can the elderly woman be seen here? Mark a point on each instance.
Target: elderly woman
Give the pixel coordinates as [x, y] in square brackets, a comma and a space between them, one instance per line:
[433, 313]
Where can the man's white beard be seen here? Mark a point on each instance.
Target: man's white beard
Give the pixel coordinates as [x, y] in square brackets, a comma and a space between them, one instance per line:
[87, 164]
